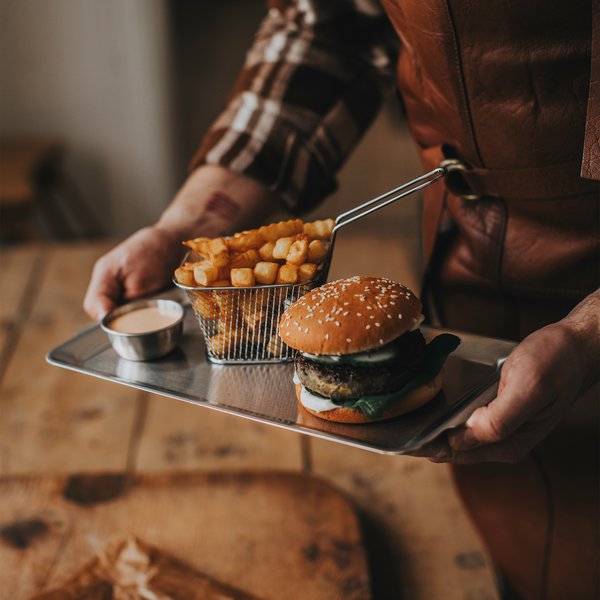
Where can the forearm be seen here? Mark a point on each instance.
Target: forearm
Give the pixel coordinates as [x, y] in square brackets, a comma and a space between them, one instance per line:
[584, 321]
[214, 201]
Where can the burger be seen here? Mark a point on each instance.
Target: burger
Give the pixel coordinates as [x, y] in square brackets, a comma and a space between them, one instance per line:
[361, 355]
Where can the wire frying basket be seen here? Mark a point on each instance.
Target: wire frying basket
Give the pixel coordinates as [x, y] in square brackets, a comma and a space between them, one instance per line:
[240, 325]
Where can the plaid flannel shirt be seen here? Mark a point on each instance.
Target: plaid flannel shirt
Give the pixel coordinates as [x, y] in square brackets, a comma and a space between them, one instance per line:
[311, 84]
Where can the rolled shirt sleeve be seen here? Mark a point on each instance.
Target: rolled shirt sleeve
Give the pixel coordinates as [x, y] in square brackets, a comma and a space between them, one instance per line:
[311, 84]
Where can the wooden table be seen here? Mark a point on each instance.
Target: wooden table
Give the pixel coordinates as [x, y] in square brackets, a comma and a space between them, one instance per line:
[53, 422]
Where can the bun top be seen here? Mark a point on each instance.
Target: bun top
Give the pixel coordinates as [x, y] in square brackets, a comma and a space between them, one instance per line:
[350, 315]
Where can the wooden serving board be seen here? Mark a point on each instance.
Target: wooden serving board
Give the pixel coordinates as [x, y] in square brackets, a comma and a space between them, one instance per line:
[274, 535]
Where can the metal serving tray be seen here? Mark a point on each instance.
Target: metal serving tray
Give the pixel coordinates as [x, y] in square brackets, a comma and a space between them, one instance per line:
[265, 393]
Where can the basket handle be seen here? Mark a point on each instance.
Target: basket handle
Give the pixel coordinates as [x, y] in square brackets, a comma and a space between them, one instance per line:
[375, 204]
[371, 206]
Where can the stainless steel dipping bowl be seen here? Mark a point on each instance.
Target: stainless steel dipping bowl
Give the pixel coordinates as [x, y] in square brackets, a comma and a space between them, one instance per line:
[146, 345]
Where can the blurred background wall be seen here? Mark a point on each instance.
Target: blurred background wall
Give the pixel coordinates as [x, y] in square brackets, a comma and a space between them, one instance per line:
[94, 73]
[131, 85]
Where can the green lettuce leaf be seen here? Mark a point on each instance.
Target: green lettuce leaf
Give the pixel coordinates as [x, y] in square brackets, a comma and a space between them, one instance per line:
[436, 353]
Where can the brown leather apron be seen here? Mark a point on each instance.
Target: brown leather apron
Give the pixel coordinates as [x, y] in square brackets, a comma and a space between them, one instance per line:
[504, 86]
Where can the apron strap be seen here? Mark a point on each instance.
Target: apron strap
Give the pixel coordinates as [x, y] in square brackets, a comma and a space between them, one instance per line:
[591, 152]
[537, 183]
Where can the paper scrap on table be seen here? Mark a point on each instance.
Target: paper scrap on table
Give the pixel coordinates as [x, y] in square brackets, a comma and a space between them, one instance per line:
[134, 570]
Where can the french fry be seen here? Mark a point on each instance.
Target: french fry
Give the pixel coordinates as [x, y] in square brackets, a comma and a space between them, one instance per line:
[218, 252]
[282, 247]
[287, 274]
[298, 251]
[266, 272]
[258, 297]
[229, 311]
[256, 256]
[275, 345]
[246, 259]
[254, 319]
[218, 344]
[291, 227]
[268, 232]
[246, 240]
[185, 275]
[223, 273]
[223, 299]
[307, 271]
[274, 231]
[317, 251]
[205, 273]
[232, 321]
[242, 277]
[319, 230]
[254, 315]
[199, 245]
[266, 251]
[224, 342]
[205, 305]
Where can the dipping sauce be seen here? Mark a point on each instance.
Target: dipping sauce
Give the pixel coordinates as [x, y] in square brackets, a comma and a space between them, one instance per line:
[144, 320]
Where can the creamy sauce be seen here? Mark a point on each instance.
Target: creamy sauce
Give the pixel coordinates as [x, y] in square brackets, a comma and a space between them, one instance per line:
[417, 322]
[313, 402]
[316, 403]
[144, 320]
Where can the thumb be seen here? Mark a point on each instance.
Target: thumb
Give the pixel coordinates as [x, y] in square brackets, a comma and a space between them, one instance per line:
[103, 293]
[512, 407]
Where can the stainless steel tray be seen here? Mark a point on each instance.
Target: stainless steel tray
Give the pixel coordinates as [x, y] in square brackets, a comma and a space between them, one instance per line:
[265, 393]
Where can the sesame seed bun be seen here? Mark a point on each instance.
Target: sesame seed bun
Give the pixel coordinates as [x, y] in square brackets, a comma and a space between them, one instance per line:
[404, 404]
[349, 315]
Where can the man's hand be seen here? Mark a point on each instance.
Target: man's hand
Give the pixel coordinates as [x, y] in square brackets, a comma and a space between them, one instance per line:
[212, 202]
[140, 265]
[540, 381]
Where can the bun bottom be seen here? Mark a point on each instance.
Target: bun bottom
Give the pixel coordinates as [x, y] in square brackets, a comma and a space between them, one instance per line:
[405, 404]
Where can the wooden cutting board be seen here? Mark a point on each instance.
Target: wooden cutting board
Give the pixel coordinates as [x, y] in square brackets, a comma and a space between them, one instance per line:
[274, 535]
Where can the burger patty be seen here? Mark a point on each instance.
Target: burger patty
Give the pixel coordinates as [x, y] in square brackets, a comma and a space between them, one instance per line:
[345, 382]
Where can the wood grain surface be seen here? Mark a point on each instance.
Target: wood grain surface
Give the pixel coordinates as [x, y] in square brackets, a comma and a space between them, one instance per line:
[273, 535]
[413, 515]
[176, 437]
[19, 269]
[54, 422]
